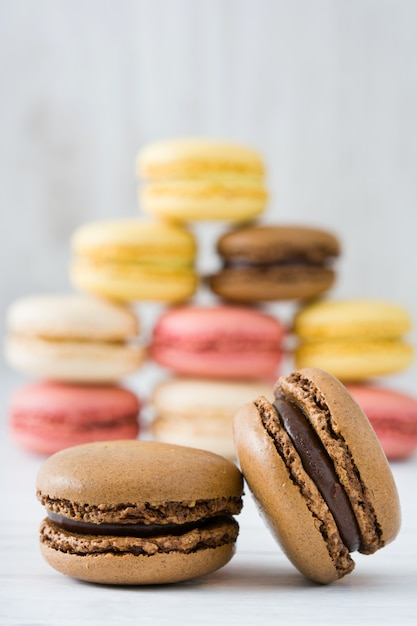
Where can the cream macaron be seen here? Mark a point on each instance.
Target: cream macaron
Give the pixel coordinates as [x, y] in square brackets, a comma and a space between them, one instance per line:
[193, 178]
[74, 338]
[354, 339]
[130, 260]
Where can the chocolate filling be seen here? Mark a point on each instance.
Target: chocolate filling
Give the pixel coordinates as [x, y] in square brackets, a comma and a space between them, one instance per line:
[132, 530]
[319, 467]
[236, 264]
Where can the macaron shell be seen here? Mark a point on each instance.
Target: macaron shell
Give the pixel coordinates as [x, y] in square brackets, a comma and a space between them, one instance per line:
[134, 240]
[350, 422]
[393, 416]
[130, 468]
[139, 570]
[269, 243]
[245, 285]
[71, 316]
[122, 283]
[342, 319]
[355, 360]
[73, 361]
[188, 157]
[279, 500]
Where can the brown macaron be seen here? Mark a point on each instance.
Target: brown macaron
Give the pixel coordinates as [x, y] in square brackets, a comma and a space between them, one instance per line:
[271, 263]
[318, 473]
[137, 512]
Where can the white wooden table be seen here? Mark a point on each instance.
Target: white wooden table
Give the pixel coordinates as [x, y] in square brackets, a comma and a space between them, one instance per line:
[258, 586]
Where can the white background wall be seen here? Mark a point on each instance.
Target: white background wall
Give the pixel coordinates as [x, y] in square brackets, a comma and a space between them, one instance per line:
[325, 89]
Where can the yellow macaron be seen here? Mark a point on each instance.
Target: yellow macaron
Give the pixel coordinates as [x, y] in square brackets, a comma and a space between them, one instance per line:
[201, 179]
[353, 339]
[131, 259]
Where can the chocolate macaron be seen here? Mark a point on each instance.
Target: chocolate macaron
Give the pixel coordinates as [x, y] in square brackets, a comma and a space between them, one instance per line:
[137, 512]
[318, 473]
[271, 263]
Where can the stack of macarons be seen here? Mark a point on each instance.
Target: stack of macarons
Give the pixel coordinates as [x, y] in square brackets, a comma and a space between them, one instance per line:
[360, 341]
[214, 352]
[216, 356]
[77, 349]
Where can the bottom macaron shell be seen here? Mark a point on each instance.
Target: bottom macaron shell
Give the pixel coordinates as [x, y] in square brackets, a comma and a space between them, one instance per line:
[355, 360]
[129, 569]
[245, 365]
[251, 284]
[281, 504]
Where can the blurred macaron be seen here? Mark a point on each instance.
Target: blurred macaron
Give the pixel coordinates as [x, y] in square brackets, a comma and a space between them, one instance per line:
[273, 263]
[45, 417]
[353, 339]
[229, 342]
[199, 412]
[73, 338]
[393, 415]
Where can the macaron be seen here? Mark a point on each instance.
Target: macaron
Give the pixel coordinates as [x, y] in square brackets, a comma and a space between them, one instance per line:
[272, 263]
[72, 337]
[138, 512]
[393, 415]
[353, 339]
[131, 260]
[46, 417]
[199, 412]
[229, 342]
[318, 473]
[189, 179]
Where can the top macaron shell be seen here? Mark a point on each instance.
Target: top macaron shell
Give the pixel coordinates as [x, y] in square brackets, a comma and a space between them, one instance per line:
[131, 260]
[201, 179]
[84, 471]
[219, 341]
[72, 337]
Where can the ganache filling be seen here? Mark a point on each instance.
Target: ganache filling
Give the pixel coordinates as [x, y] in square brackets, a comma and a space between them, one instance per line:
[133, 530]
[319, 467]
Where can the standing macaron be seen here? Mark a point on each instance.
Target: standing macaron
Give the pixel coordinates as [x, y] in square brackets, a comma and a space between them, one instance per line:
[219, 342]
[73, 338]
[46, 417]
[318, 472]
[137, 512]
[130, 260]
[353, 339]
[201, 179]
[271, 263]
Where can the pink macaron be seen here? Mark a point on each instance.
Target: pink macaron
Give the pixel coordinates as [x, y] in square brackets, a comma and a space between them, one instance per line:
[46, 417]
[224, 342]
[393, 416]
